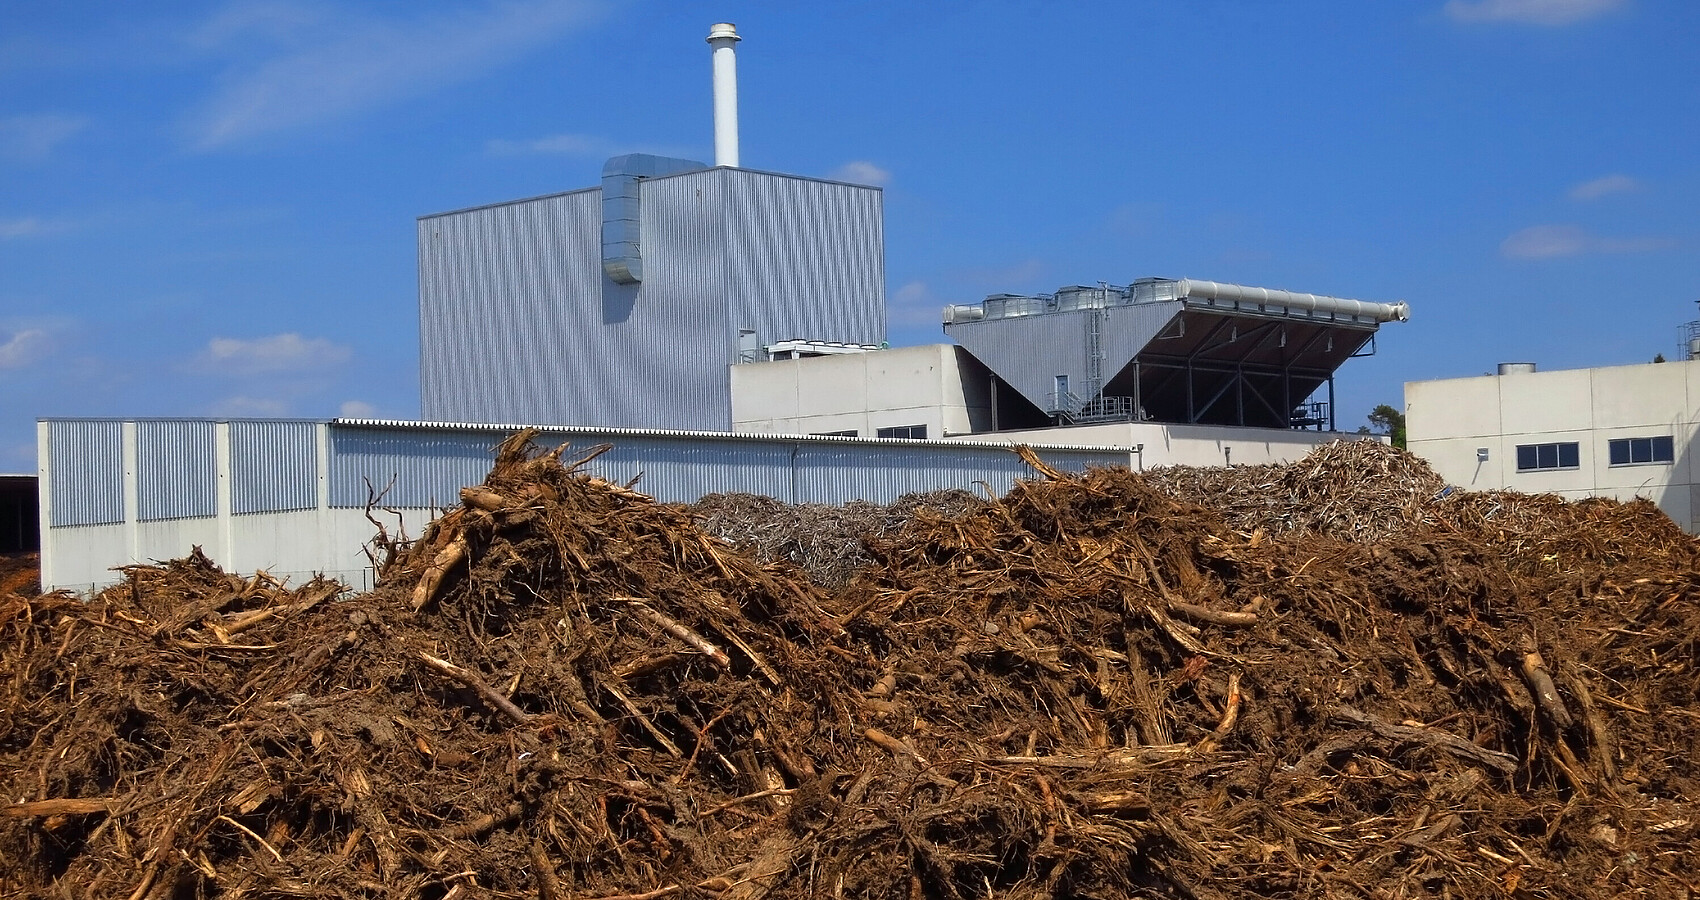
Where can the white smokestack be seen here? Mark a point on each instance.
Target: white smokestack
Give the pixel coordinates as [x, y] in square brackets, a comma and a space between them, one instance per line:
[721, 37]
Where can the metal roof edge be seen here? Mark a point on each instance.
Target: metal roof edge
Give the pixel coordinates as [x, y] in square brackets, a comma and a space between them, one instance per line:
[791, 175]
[746, 436]
[467, 209]
[214, 419]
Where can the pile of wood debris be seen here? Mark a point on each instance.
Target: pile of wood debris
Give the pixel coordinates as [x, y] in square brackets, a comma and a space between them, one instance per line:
[1331, 680]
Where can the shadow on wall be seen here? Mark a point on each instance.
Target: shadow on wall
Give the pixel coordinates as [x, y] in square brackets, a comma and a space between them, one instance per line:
[1677, 496]
[20, 519]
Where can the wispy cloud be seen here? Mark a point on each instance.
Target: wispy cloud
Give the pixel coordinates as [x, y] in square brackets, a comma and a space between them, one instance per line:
[1530, 12]
[1601, 187]
[357, 409]
[33, 138]
[278, 353]
[861, 172]
[914, 304]
[31, 226]
[1558, 241]
[334, 64]
[553, 145]
[23, 347]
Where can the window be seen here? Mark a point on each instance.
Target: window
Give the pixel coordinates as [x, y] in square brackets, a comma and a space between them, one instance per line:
[1639, 451]
[850, 433]
[1532, 457]
[913, 432]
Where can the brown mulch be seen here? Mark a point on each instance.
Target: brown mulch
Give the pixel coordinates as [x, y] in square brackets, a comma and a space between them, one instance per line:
[20, 573]
[1329, 679]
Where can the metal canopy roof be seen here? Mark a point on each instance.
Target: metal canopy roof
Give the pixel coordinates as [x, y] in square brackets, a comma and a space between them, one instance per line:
[1183, 351]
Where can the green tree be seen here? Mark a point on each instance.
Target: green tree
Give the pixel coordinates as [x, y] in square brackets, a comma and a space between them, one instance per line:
[1389, 421]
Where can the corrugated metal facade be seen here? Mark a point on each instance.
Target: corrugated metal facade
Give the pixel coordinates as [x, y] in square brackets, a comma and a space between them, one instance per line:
[519, 323]
[507, 295]
[428, 465]
[274, 466]
[86, 459]
[406, 468]
[176, 469]
[1028, 352]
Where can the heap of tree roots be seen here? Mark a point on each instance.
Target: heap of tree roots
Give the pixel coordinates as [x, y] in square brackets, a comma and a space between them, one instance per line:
[1090, 688]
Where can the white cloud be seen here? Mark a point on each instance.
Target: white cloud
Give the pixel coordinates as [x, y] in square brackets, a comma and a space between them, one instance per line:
[913, 304]
[553, 145]
[33, 138]
[357, 409]
[31, 226]
[339, 63]
[1556, 241]
[1530, 12]
[23, 348]
[1600, 187]
[861, 172]
[288, 352]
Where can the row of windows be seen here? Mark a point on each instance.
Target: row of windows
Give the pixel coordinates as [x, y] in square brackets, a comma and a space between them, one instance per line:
[1621, 452]
[912, 432]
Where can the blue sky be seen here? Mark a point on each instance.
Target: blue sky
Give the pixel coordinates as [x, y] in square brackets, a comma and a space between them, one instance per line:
[206, 209]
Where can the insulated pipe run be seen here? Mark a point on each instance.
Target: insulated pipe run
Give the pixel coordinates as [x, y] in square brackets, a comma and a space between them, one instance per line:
[1216, 290]
[721, 37]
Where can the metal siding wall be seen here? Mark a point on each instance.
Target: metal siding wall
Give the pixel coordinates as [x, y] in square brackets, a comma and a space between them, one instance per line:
[430, 466]
[176, 469]
[510, 304]
[805, 258]
[518, 323]
[838, 473]
[427, 467]
[1029, 352]
[682, 470]
[273, 467]
[87, 461]
[665, 364]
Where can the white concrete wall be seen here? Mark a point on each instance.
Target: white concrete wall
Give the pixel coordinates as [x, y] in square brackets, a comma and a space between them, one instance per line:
[296, 543]
[293, 545]
[863, 392]
[1449, 421]
[1186, 445]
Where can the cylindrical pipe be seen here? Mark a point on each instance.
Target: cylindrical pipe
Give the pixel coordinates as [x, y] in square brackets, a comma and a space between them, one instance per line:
[1380, 312]
[721, 37]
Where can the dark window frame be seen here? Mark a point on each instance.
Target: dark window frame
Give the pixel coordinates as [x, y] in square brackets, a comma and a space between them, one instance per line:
[903, 432]
[1656, 450]
[1550, 456]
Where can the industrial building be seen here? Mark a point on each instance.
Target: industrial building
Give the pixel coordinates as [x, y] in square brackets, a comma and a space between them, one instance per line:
[724, 329]
[1620, 431]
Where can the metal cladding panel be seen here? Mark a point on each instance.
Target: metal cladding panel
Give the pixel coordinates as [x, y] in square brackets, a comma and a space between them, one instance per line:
[510, 306]
[683, 469]
[411, 468]
[87, 472]
[839, 473]
[176, 469]
[805, 259]
[425, 467]
[1028, 352]
[274, 467]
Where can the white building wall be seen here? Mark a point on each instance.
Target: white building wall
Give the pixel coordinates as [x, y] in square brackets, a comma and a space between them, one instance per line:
[927, 385]
[1469, 429]
[860, 392]
[1160, 444]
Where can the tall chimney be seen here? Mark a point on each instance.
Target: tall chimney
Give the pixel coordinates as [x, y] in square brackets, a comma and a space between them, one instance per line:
[721, 37]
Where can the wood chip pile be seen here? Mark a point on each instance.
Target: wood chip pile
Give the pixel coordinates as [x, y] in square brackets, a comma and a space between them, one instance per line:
[1330, 681]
